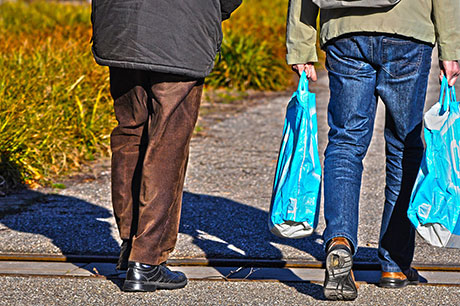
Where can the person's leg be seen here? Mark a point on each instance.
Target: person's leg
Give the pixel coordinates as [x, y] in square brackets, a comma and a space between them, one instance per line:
[351, 114]
[175, 108]
[129, 89]
[401, 83]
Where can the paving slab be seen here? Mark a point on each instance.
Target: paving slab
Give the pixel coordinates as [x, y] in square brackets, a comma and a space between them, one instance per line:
[306, 275]
[226, 199]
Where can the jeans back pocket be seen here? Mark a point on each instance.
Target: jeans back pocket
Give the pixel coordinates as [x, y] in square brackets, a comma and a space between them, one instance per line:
[401, 57]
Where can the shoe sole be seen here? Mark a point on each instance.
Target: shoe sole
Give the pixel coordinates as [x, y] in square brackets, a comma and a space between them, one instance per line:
[338, 274]
[136, 286]
[396, 284]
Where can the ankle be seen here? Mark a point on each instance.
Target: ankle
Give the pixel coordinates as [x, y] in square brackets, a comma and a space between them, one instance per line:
[338, 241]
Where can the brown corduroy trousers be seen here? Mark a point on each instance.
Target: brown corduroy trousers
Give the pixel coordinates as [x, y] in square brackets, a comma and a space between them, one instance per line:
[156, 114]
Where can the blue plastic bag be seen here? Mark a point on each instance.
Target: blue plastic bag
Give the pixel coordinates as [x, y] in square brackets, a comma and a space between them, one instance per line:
[296, 194]
[435, 201]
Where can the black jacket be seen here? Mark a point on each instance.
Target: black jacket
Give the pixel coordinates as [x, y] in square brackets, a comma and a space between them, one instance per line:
[170, 36]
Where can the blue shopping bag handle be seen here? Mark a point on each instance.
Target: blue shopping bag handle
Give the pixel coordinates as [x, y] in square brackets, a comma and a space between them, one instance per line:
[453, 97]
[448, 93]
[303, 82]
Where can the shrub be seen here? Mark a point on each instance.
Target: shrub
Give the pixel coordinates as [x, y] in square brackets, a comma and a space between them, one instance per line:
[247, 63]
[253, 48]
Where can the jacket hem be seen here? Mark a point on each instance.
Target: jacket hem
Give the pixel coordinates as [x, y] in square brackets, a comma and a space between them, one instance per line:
[421, 36]
[308, 56]
[152, 67]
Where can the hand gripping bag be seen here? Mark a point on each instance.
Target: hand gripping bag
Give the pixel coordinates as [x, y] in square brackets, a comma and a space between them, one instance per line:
[435, 201]
[295, 199]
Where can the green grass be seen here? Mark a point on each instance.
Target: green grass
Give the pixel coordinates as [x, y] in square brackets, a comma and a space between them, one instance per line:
[253, 48]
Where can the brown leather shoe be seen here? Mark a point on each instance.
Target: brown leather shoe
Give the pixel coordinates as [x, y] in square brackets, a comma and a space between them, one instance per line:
[339, 282]
[399, 279]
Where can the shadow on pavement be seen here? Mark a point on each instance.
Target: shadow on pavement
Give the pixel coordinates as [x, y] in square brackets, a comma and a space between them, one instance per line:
[220, 228]
[223, 228]
[74, 226]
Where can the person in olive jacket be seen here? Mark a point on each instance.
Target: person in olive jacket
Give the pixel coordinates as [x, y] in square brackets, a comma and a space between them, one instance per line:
[159, 53]
[373, 52]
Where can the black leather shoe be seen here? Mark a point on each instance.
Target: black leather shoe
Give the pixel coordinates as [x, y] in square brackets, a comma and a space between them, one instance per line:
[399, 279]
[142, 277]
[339, 282]
[125, 250]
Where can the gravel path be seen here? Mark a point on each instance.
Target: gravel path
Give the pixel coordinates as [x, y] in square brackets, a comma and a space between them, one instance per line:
[37, 291]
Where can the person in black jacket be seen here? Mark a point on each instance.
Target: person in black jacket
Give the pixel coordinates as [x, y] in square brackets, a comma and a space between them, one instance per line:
[159, 53]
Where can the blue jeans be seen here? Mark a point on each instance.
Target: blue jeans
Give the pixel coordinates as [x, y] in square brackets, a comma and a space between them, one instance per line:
[362, 68]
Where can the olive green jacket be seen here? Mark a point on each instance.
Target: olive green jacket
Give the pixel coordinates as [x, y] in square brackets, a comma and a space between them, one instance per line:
[431, 21]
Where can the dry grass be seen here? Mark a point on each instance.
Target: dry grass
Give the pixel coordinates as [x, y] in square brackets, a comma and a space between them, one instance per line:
[55, 110]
